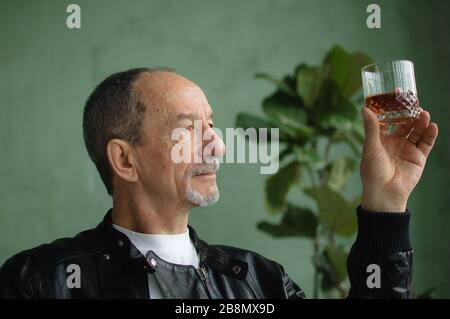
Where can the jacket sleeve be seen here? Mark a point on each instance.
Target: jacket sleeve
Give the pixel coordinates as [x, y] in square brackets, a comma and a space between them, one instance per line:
[293, 291]
[12, 285]
[380, 262]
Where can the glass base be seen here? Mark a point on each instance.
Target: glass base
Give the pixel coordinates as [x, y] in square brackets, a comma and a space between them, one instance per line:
[398, 117]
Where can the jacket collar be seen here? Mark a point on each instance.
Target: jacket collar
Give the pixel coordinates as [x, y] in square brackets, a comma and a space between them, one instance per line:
[215, 258]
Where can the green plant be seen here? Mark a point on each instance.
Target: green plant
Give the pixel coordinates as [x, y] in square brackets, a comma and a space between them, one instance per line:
[315, 109]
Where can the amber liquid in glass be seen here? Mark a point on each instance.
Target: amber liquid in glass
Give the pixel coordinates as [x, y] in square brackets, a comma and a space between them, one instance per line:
[394, 108]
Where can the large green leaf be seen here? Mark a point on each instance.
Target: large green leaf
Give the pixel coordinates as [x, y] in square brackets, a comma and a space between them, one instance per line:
[354, 82]
[287, 151]
[309, 156]
[284, 110]
[246, 120]
[331, 264]
[334, 210]
[296, 221]
[329, 99]
[284, 85]
[348, 109]
[335, 122]
[333, 110]
[288, 116]
[345, 68]
[279, 184]
[337, 62]
[349, 138]
[308, 84]
[324, 268]
[340, 170]
[356, 201]
[337, 257]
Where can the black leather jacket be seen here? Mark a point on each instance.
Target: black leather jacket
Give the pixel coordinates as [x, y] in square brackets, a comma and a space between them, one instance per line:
[111, 267]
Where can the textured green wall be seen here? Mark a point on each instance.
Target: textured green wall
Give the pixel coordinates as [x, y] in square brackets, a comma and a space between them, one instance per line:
[50, 189]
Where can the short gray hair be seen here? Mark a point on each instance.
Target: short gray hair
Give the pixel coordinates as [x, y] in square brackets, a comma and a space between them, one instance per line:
[113, 110]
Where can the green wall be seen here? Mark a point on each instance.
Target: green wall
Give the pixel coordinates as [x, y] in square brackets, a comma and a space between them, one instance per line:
[50, 189]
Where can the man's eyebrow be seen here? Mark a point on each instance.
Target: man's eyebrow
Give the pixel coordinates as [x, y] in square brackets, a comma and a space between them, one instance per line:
[190, 116]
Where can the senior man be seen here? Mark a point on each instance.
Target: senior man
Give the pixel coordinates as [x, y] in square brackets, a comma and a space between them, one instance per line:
[144, 247]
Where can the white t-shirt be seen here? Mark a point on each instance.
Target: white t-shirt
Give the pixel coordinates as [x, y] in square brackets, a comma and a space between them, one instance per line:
[177, 249]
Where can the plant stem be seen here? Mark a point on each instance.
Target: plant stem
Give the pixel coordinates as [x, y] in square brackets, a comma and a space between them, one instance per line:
[327, 150]
[343, 292]
[331, 237]
[316, 284]
[316, 272]
[312, 177]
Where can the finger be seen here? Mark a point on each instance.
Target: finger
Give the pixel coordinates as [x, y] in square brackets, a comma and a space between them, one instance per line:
[371, 127]
[428, 138]
[419, 127]
[404, 129]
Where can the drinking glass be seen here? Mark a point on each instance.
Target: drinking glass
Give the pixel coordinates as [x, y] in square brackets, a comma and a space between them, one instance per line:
[390, 91]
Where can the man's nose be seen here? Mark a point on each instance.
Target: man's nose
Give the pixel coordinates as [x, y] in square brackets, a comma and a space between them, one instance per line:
[214, 146]
[219, 150]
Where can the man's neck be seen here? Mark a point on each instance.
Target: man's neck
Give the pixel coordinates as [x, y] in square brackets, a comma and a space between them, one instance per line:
[143, 215]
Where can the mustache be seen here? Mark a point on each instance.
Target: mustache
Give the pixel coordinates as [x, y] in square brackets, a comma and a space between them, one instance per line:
[211, 167]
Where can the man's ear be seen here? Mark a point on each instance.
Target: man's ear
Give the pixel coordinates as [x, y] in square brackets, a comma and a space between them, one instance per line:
[121, 159]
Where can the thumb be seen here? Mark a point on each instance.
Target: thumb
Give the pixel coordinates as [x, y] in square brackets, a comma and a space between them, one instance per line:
[371, 127]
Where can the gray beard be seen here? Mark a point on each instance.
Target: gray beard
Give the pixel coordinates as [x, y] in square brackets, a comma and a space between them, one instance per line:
[196, 197]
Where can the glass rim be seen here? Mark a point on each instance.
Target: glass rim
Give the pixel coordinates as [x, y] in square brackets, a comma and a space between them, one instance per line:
[364, 68]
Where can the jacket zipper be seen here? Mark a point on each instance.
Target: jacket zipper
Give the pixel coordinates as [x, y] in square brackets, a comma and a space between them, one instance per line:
[202, 274]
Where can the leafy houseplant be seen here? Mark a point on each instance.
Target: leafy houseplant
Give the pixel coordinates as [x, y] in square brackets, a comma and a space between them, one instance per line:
[315, 108]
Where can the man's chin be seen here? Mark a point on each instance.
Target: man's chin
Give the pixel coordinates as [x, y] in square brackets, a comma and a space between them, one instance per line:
[204, 184]
[201, 197]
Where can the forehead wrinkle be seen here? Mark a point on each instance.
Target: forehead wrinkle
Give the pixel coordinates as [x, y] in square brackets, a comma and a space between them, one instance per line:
[161, 90]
